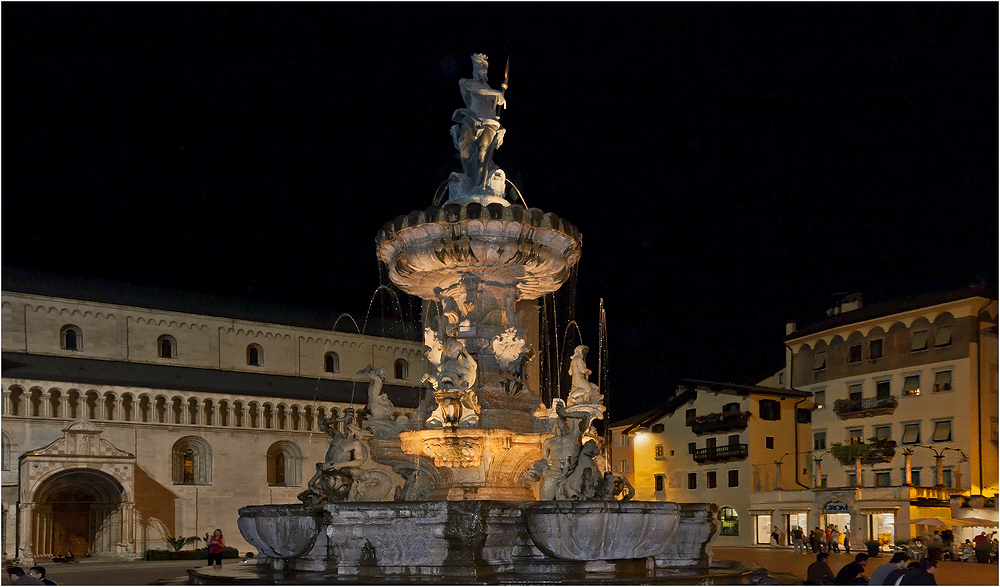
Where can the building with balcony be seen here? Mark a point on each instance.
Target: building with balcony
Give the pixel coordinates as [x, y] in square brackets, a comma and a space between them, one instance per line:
[716, 442]
[131, 417]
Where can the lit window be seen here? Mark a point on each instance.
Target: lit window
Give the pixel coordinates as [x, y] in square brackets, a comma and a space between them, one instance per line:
[166, 347]
[819, 398]
[730, 522]
[911, 433]
[883, 479]
[331, 363]
[192, 461]
[71, 338]
[819, 362]
[855, 436]
[658, 483]
[875, 349]
[255, 355]
[734, 478]
[883, 432]
[942, 431]
[658, 451]
[711, 479]
[911, 385]
[919, 341]
[819, 440]
[692, 480]
[942, 381]
[943, 336]
[402, 369]
[854, 353]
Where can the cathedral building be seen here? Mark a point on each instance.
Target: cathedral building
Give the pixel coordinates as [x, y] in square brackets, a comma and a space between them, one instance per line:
[132, 417]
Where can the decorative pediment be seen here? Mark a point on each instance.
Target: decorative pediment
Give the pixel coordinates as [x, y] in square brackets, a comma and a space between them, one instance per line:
[81, 439]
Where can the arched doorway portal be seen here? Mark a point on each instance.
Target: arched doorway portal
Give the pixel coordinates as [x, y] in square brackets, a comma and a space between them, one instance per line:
[78, 511]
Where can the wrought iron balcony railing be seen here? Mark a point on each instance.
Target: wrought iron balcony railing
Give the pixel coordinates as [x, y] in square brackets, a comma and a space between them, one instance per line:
[726, 452]
[720, 422]
[864, 407]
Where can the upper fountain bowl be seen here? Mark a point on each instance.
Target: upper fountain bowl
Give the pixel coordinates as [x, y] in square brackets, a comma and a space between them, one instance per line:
[512, 246]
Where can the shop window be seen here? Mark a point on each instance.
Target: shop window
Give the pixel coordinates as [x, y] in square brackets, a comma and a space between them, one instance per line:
[331, 362]
[819, 440]
[71, 338]
[166, 347]
[402, 369]
[919, 342]
[711, 479]
[658, 451]
[819, 361]
[658, 483]
[734, 478]
[819, 398]
[943, 336]
[692, 480]
[854, 353]
[770, 409]
[763, 529]
[882, 389]
[911, 433]
[875, 349]
[942, 431]
[255, 355]
[942, 381]
[911, 385]
[883, 479]
[730, 522]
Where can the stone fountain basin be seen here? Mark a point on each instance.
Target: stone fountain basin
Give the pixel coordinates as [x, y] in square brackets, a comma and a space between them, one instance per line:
[592, 531]
[280, 531]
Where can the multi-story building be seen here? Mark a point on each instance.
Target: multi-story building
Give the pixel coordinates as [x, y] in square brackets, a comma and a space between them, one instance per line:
[131, 422]
[891, 416]
[716, 442]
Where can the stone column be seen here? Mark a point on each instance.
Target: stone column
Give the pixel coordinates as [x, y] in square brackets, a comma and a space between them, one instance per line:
[245, 409]
[216, 413]
[939, 473]
[819, 473]
[118, 415]
[99, 411]
[27, 521]
[185, 411]
[6, 402]
[64, 404]
[46, 407]
[908, 472]
[857, 471]
[777, 475]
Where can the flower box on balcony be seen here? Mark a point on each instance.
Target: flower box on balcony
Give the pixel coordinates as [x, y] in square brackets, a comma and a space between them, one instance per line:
[865, 407]
[720, 422]
[876, 450]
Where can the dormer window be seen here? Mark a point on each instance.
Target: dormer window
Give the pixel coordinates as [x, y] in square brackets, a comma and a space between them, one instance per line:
[71, 338]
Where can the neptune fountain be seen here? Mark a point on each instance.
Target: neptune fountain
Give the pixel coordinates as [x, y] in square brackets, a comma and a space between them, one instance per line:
[483, 481]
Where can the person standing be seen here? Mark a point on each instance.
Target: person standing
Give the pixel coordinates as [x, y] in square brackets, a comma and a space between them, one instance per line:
[835, 539]
[798, 547]
[774, 536]
[847, 539]
[826, 539]
[215, 545]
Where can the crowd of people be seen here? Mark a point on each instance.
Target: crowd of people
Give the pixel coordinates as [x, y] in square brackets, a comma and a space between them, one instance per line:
[829, 540]
[898, 571]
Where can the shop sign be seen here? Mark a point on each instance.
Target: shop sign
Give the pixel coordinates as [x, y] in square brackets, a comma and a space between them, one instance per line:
[835, 507]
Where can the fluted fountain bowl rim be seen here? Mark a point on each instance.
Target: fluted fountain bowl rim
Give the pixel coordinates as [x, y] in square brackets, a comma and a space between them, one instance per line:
[272, 537]
[595, 530]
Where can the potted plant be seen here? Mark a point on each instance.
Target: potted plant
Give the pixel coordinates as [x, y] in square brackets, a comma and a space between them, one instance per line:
[872, 546]
[846, 453]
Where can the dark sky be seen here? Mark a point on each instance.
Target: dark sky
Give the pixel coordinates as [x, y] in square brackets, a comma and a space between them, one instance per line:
[730, 166]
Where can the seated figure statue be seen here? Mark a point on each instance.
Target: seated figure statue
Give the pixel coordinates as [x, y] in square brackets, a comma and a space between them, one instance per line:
[582, 391]
[335, 475]
[477, 134]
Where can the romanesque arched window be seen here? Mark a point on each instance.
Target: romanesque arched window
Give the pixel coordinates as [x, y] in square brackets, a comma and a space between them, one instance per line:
[192, 461]
[284, 464]
[402, 370]
[166, 347]
[332, 362]
[71, 338]
[255, 355]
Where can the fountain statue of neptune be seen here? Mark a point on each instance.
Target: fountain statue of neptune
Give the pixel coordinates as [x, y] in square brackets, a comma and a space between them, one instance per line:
[477, 134]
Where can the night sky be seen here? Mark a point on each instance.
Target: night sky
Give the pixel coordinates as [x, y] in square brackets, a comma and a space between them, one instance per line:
[730, 166]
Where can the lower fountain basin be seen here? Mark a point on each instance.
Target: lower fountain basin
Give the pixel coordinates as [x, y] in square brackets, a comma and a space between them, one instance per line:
[592, 531]
[280, 532]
